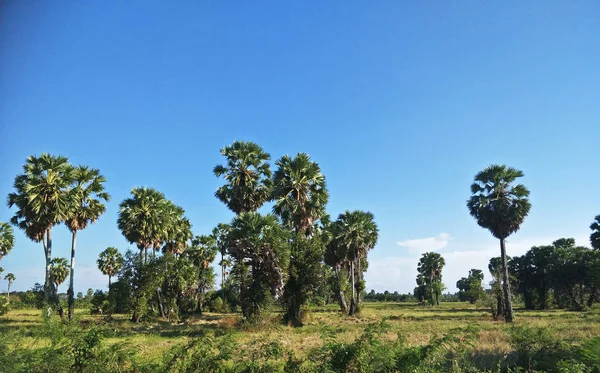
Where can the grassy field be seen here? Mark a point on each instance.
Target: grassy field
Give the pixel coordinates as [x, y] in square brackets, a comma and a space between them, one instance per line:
[417, 325]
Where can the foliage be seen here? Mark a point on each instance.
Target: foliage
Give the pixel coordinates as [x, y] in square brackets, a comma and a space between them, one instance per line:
[469, 288]
[110, 262]
[595, 236]
[7, 239]
[304, 270]
[247, 175]
[59, 270]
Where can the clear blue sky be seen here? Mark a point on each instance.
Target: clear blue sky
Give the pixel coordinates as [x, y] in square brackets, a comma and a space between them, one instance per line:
[401, 103]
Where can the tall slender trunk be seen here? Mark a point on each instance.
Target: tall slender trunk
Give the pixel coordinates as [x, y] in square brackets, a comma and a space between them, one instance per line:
[48, 291]
[109, 277]
[145, 255]
[508, 310]
[70, 292]
[358, 283]
[222, 272]
[341, 295]
[352, 300]
[8, 294]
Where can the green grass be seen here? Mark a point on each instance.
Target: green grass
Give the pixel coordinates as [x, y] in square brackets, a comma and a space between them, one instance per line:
[416, 324]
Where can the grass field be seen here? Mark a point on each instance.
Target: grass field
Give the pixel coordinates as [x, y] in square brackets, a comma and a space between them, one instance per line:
[417, 325]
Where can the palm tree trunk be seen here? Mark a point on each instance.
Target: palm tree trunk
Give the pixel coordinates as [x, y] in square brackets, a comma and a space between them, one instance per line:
[359, 275]
[508, 311]
[341, 295]
[109, 276]
[8, 294]
[222, 272]
[70, 292]
[352, 300]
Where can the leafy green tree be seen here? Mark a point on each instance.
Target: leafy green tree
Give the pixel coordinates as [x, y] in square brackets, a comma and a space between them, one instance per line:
[59, 270]
[110, 262]
[430, 268]
[532, 273]
[421, 292]
[42, 199]
[7, 239]
[336, 256]
[142, 219]
[470, 288]
[500, 207]
[495, 268]
[10, 278]
[595, 236]
[86, 206]
[202, 253]
[358, 231]
[261, 242]
[299, 192]
[247, 175]
[137, 285]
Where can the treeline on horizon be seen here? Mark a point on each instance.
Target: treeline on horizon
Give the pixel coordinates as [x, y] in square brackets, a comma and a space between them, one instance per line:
[292, 257]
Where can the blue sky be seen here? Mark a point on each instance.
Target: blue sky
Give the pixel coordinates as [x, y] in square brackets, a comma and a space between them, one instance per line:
[400, 103]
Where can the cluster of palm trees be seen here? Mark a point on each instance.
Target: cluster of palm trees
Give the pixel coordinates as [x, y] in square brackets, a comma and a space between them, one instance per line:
[51, 191]
[429, 278]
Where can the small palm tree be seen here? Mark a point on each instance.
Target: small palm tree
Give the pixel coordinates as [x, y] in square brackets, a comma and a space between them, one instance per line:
[202, 253]
[59, 270]
[299, 192]
[110, 262]
[10, 278]
[595, 236]
[7, 239]
[358, 231]
[42, 199]
[219, 234]
[500, 207]
[178, 229]
[247, 175]
[87, 205]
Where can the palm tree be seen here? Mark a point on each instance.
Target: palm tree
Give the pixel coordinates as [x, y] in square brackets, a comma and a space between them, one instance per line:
[141, 219]
[260, 242]
[430, 267]
[7, 239]
[336, 256]
[202, 253]
[59, 270]
[247, 175]
[595, 236]
[10, 278]
[358, 231]
[178, 229]
[500, 207]
[42, 200]
[87, 197]
[110, 262]
[299, 192]
[219, 234]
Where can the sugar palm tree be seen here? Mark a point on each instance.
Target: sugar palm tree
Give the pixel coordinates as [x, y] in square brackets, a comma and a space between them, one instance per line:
[59, 270]
[501, 207]
[110, 262]
[179, 229]
[359, 232]
[7, 239]
[10, 278]
[595, 236]
[202, 253]
[42, 200]
[336, 256]
[219, 234]
[299, 192]
[247, 175]
[141, 219]
[87, 205]
[430, 267]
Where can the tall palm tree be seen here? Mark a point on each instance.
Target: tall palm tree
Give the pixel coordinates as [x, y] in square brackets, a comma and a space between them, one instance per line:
[247, 175]
[10, 278]
[141, 219]
[178, 229]
[59, 270]
[7, 239]
[430, 266]
[42, 199]
[87, 205]
[336, 256]
[219, 234]
[110, 262]
[501, 207]
[595, 236]
[202, 253]
[359, 232]
[299, 192]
